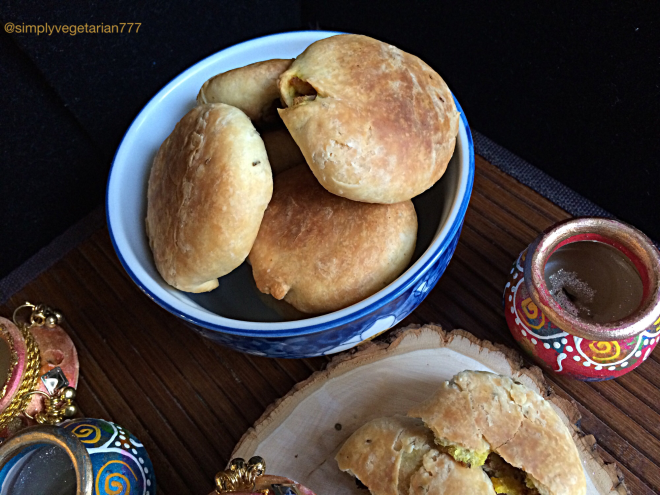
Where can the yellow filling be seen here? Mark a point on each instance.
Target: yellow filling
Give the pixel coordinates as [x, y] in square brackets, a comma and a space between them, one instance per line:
[466, 456]
[508, 485]
[508, 479]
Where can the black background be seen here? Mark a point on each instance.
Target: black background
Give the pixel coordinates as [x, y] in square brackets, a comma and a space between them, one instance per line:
[572, 87]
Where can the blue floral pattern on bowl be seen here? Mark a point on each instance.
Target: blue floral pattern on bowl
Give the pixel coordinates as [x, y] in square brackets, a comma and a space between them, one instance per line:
[347, 335]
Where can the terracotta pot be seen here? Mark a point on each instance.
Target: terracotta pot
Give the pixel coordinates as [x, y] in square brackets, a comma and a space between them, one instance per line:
[570, 345]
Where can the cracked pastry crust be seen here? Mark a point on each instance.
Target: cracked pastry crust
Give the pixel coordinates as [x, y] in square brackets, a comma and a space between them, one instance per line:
[442, 475]
[209, 186]
[374, 123]
[384, 453]
[321, 253]
[395, 456]
[252, 89]
[478, 409]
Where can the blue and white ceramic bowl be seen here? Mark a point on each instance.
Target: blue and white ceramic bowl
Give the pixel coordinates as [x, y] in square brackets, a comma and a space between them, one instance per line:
[236, 314]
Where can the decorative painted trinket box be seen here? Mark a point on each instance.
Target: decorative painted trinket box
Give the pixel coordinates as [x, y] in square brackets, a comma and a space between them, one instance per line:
[37, 360]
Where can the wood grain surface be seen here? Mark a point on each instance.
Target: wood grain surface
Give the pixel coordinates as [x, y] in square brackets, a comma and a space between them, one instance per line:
[302, 433]
[190, 400]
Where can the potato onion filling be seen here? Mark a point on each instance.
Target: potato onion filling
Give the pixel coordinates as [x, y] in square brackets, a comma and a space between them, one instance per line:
[302, 90]
[508, 479]
[471, 458]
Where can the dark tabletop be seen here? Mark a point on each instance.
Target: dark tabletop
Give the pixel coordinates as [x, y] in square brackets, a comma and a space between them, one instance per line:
[190, 400]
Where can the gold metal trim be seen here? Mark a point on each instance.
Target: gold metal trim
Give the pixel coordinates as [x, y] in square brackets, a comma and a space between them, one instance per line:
[29, 382]
[13, 359]
[240, 475]
[57, 407]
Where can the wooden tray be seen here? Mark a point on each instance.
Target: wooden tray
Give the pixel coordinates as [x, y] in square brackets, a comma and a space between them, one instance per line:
[300, 434]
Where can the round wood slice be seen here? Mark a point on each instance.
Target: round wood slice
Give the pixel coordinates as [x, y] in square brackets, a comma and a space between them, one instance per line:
[300, 434]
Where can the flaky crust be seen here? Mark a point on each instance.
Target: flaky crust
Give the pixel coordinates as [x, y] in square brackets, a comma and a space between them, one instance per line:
[321, 252]
[442, 475]
[252, 89]
[373, 453]
[447, 414]
[517, 422]
[383, 125]
[209, 186]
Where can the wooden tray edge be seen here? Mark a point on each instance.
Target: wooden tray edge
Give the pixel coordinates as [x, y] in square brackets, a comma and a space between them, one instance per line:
[607, 477]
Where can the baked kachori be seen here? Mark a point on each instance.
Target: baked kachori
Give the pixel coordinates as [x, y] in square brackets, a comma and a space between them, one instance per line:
[209, 186]
[320, 252]
[384, 453]
[478, 414]
[440, 474]
[396, 456]
[481, 433]
[374, 123]
[253, 89]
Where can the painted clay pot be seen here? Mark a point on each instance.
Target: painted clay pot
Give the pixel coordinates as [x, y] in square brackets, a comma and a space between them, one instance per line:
[81, 457]
[569, 344]
[56, 349]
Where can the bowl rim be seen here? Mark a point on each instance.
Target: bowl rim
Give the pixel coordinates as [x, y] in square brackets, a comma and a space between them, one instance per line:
[448, 231]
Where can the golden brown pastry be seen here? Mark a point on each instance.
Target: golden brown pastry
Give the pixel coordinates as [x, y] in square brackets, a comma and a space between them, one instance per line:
[395, 456]
[321, 252]
[442, 475]
[283, 152]
[477, 413]
[252, 88]
[209, 186]
[374, 123]
[384, 453]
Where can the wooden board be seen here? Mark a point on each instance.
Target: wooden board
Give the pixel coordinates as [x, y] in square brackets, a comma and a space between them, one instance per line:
[301, 434]
[190, 401]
